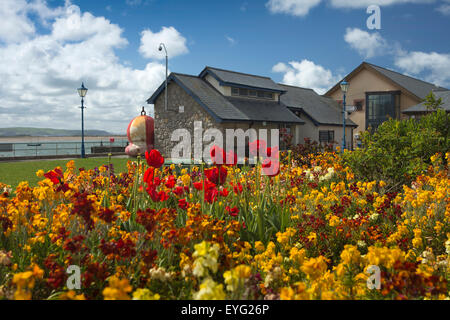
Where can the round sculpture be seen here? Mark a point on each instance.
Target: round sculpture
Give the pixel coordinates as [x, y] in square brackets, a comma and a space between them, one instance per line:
[140, 135]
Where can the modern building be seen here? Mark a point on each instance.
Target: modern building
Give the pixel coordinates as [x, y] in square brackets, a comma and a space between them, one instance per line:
[379, 94]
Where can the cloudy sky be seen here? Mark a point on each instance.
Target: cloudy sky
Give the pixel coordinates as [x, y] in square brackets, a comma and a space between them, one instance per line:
[47, 48]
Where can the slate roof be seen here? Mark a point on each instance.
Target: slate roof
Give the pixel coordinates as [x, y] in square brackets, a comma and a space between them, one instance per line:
[416, 87]
[422, 108]
[230, 109]
[322, 110]
[227, 77]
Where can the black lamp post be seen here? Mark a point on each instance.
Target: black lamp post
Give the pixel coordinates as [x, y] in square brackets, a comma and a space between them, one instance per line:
[161, 46]
[82, 92]
[344, 88]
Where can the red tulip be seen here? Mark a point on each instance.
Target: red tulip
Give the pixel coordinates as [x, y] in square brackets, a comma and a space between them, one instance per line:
[216, 175]
[218, 155]
[154, 158]
[232, 211]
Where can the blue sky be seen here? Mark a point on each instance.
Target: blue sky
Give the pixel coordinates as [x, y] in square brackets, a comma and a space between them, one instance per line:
[48, 47]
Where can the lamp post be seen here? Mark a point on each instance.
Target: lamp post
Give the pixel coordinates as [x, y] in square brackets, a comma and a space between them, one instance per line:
[82, 92]
[344, 88]
[161, 46]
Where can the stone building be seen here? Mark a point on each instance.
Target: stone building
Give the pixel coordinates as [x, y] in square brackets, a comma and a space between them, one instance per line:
[226, 99]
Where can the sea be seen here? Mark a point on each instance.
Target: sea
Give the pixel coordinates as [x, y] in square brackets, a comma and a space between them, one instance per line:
[54, 146]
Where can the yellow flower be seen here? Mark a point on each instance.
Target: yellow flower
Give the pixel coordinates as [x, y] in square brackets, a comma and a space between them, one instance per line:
[314, 267]
[145, 294]
[210, 290]
[118, 289]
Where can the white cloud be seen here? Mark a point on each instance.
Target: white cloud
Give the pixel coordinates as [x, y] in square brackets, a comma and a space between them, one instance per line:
[367, 44]
[444, 8]
[302, 7]
[353, 4]
[41, 72]
[307, 74]
[293, 7]
[173, 40]
[434, 66]
[231, 40]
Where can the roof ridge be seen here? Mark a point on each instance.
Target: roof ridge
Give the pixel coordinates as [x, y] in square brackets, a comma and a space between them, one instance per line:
[185, 74]
[404, 75]
[237, 72]
[292, 86]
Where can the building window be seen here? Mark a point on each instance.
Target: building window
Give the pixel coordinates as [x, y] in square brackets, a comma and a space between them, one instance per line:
[381, 107]
[326, 136]
[251, 93]
[359, 104]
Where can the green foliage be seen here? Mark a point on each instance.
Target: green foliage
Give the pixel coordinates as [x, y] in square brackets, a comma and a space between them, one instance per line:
[431, 102]
[398, 151]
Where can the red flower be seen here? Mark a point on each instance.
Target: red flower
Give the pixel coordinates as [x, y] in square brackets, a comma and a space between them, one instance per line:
[183, 204]
[107, 215]
[216, 175]
[237, 188]
[55, 176]
[170, 183]
[218, 155]
[178, 190]
[256, 146]
[224, 193]
[273, 152]
[271, 168]
[232, 211]
[154, 158]
[148, 175]
[198, 185]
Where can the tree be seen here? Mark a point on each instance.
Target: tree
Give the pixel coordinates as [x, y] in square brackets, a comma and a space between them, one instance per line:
[431, 102]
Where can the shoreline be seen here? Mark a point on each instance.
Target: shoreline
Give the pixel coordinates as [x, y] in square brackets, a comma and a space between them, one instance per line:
[25, 139]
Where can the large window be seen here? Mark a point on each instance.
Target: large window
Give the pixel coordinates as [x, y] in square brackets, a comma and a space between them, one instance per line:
[381, 107]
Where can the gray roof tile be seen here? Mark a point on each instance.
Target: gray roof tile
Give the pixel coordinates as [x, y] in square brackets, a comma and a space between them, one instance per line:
[232, 77]
[418, 87]
[323, 110]
[421, 107]
[235, 109]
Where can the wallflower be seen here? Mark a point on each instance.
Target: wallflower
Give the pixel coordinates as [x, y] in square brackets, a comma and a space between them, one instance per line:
[206, 255]
[145, 294]
[235, 278]
[118, 289]
[210, 290]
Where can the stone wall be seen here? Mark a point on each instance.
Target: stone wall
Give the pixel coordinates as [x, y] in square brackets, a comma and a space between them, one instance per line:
[166, 122]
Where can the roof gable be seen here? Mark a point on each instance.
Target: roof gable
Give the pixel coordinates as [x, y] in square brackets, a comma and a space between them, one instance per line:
[413, 86]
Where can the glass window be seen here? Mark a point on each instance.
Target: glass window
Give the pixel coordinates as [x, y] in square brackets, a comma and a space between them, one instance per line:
[234, 91]
[326, 136]
[269, 95]
[381, 107]
[260, 94]
[252, 93]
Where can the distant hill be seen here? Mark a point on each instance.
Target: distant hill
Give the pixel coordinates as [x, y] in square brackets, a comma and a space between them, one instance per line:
[47, 132]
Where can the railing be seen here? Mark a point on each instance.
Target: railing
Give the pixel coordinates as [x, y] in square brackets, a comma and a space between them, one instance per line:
[63, 148]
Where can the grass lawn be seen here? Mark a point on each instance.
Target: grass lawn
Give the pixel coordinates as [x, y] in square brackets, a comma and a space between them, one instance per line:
[11, 173]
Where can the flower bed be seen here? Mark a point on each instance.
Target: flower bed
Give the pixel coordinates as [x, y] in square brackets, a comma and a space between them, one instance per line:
[306, 231]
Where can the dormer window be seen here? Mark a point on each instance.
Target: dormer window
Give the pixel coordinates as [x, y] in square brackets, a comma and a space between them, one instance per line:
[251, 93]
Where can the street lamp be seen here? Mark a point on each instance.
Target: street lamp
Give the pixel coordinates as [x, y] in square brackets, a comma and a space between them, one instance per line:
[344, 88]
[161, 46]
[82, 92]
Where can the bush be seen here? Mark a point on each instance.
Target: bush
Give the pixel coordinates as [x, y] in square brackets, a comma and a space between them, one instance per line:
[304, 153]
[398, 151]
